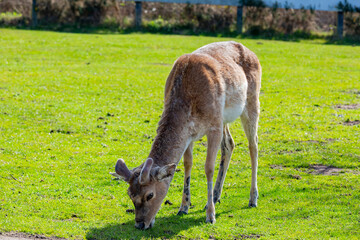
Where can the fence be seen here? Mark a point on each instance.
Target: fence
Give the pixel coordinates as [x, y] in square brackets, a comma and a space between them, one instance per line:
[318, 5]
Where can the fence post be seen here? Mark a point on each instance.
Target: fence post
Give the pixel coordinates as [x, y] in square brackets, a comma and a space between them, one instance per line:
[138, 14]
[239, 18]
[34, 14]
[340, 24]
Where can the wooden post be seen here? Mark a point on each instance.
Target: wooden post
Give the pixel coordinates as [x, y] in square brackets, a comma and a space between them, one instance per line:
[340, 24]
[239, 19]
[137, 14]
[34, 14]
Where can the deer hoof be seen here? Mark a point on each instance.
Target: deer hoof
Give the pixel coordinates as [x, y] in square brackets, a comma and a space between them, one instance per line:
[211, 220]
[210, 216]
[180, 213]
[253, 198]
[252, 204]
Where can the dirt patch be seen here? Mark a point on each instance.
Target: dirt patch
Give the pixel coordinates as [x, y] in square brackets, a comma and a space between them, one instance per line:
[331, 139]
[282, 152]
[351, 123]
[250, 236]
[354, 91]
[274, 166]
[319, 169]
[24, 236]
[297, 177]
[348, 106]
[310, 141]
[327, 140]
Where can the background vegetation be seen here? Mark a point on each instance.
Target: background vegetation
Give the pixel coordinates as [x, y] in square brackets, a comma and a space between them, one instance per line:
[72, 104]
[179, 18]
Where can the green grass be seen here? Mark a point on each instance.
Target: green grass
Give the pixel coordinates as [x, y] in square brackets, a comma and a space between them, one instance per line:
[72, 104]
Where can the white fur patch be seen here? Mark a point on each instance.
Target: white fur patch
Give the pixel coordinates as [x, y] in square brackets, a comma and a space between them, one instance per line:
[232, 113]
[235, 99]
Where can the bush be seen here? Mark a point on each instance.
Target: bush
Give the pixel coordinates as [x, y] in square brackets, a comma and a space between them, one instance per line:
[15, 13]
[352, 24]
[11, 19]
[258, 19]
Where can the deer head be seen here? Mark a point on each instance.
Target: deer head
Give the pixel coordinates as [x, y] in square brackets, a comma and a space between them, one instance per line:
[148, 187]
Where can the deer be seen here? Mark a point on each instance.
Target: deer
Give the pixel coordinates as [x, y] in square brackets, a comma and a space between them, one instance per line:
[205, 91]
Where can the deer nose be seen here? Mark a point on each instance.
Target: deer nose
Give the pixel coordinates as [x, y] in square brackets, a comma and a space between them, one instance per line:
[140, 225]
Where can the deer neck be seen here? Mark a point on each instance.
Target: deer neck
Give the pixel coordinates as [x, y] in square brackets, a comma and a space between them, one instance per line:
[171, 140]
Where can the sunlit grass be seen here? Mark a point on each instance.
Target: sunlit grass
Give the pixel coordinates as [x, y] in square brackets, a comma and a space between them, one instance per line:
[72, 104]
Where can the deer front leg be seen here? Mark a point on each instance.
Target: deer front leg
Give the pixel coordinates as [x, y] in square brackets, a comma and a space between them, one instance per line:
[186, 201]
[214, 139]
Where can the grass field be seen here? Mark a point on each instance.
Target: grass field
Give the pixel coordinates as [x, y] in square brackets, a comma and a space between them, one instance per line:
[72, 104]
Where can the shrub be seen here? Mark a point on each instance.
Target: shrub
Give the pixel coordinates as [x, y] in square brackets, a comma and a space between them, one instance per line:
[258, 19]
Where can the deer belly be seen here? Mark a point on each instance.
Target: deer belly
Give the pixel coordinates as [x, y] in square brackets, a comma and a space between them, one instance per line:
[231, 113]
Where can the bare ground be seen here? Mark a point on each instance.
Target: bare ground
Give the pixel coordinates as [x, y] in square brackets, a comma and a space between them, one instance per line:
[24, 236]
[318, 169]
[351, 123]
[348, 106]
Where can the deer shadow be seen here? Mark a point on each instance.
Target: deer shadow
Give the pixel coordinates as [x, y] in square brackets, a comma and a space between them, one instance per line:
[165, 227]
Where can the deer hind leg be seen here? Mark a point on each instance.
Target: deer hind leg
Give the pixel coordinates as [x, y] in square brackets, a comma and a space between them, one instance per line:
[214, 140]
[227, 147]
[188, 160]
[249, 120]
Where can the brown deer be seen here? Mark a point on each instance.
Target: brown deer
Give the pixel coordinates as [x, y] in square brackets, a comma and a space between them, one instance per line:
[205, 91]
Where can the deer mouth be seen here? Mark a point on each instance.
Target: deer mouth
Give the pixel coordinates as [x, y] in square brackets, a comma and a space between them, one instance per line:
[152, 222]
[143, 226]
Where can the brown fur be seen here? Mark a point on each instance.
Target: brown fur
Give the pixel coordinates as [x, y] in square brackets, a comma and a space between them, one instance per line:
[205, 91]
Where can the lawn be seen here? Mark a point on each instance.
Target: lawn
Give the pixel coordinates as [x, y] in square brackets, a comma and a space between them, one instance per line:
[72, 104]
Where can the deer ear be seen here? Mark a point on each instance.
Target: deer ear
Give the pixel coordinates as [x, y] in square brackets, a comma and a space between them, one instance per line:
[166, 171]
[122, 170]
[145, 171]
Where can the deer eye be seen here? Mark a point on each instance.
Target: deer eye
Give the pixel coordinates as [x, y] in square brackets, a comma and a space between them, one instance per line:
[150, 196]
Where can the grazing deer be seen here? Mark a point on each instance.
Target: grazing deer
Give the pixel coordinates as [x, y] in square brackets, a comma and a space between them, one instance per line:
[205, 91]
